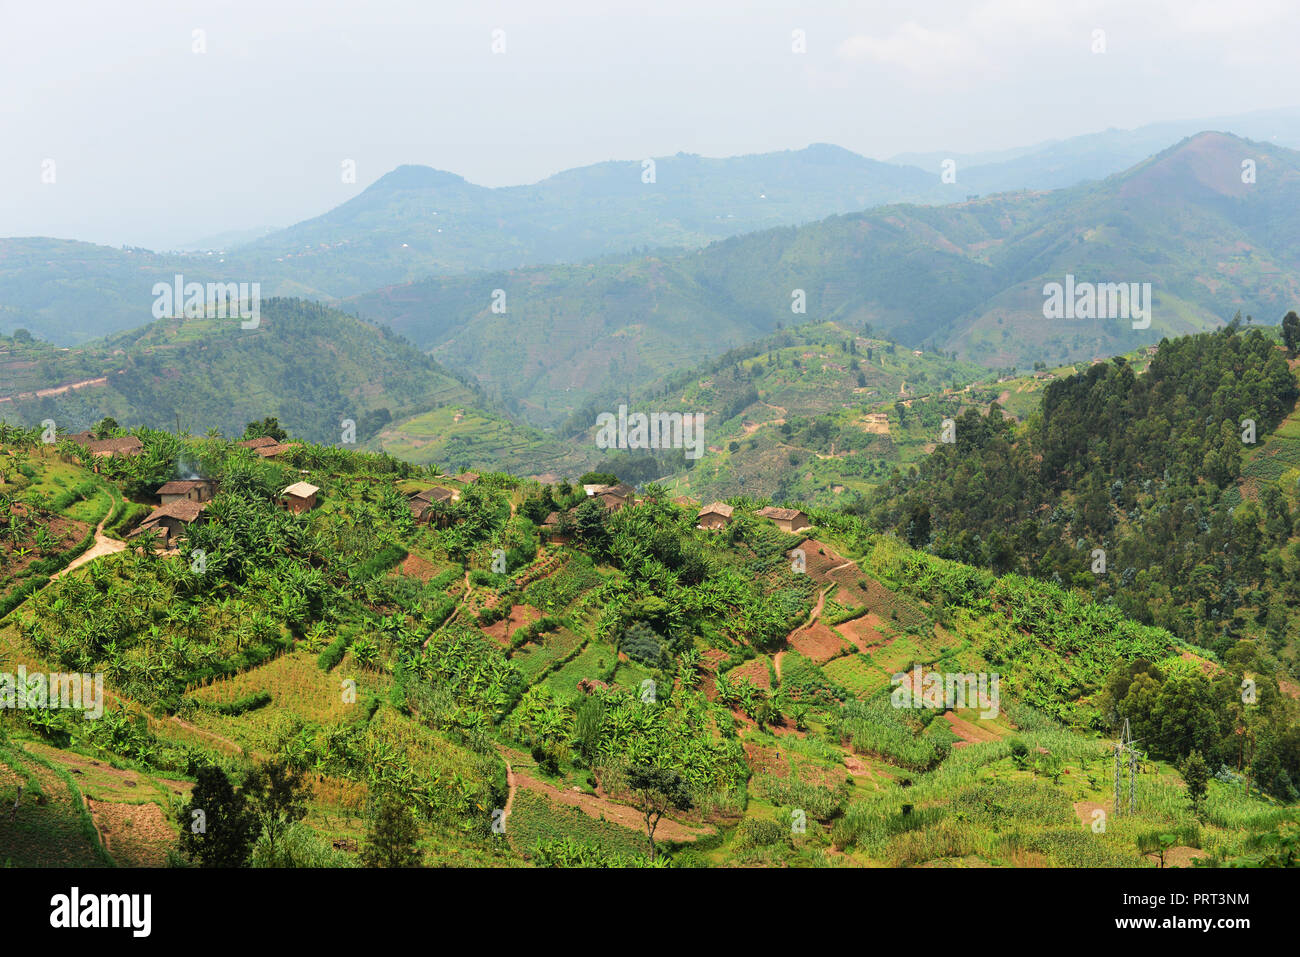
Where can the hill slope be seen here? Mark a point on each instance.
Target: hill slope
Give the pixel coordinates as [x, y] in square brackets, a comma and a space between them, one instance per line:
[532, 697]
[309, 365]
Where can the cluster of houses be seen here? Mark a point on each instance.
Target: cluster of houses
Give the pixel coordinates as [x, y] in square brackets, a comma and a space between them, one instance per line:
[714, 516]
[424, 502]
[183, 502]
[107, 448]
[717, 515]
[611, 497]
[266, 447]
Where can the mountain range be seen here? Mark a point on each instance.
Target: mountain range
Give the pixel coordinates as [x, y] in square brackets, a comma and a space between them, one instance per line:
[416, 222]
[968, 277]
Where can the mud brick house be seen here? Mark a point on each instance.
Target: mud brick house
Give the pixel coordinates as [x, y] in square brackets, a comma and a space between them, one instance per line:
[556, 528]
[299, 497]
[786, 519]
[106, 448]
[716, 515]
[614, 497]
[195, 490]
[170, 521]
[435, 494]
[422, 502]
[267, 447]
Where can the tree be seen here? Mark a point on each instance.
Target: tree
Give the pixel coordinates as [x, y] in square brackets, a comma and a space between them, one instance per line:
[277, 798]
[268, 428]
[107, 426]
[1196, 775]
[1291, 332]
[657, 790]
[1155, 842]
[217, 827]
[393, 836]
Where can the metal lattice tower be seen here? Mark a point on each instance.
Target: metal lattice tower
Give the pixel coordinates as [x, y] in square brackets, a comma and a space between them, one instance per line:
[1124, 748]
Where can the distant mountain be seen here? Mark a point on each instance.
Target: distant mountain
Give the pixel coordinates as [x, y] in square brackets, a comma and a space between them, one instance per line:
[967, 277]
[228, 240]
[416, 221]
[1094, 156]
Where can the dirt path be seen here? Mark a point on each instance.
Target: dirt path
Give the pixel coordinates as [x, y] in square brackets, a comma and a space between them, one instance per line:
[776, 664]
[512, 785]
[103, 546]
[968, 733]
[211, 736]
[602, 808]
[813, 616]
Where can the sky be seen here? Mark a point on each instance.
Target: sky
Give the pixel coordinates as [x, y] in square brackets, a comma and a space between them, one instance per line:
[159, 122]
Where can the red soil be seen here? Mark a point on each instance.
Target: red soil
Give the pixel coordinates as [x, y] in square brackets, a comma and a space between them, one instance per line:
[520, 615]
[817, 642]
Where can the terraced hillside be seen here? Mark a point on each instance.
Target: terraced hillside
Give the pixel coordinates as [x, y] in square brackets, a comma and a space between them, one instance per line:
[515, 687]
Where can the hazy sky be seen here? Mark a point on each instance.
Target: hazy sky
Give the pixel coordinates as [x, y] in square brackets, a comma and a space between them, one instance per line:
[154, 144]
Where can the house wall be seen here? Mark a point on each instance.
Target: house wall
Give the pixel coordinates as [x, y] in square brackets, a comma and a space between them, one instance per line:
[298, 505]
[791, 524]
[199, 494]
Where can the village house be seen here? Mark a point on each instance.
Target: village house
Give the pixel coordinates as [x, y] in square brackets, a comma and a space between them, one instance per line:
[299, 497]
[260, 442]
[786, 519]
[107, 448]
[195, 490]
[169, 521]
[267, 447]
[551, 528]
[617, 496]
[466, 478]
[715, 516]
[422, 502]
[436, 494]
[612, 502]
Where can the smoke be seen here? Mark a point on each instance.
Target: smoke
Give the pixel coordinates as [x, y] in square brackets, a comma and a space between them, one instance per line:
[186, 471]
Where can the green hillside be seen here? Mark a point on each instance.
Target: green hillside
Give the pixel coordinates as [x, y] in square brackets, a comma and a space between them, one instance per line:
[806, 415]
[310, 366]
[521, 717]
[1155, 467]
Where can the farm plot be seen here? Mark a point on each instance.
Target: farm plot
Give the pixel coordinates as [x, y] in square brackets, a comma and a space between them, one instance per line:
[51, 827]
[534, 658]
[864, 631]
[856, 674]
[520, 615]
[818, 642]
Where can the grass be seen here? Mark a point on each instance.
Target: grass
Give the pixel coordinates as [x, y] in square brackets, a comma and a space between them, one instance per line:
[533, 818]
[53, 827]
